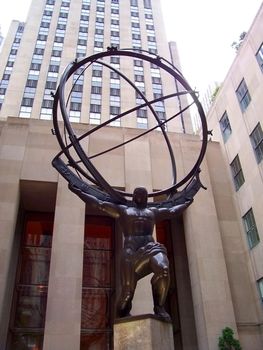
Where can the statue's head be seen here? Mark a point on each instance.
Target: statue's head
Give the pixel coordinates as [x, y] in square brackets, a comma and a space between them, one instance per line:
[140, 197]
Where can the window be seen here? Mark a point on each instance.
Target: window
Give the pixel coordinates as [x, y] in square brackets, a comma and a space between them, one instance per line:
[225, 127]
[6, 76]
[142, 113]
[243, 95]
[259, 57]
[134, 2]
[59, 39]
[31, 83]
[134, 14]
[44, 24]
[97, 284]
[61, 26]
[237, 173]
[147, 4]
[99, 31]
[83, 29]
[115, 59]
[30, 292]
[28, 102]
[20, 28]
[35, 66]
[95, 108]
[114, 75]
[161, 115]
[135, 25]
[151, 38]
[115, 33]
[98, 44]
[115, 110]
[63, 15]
[82, 42]
[139, 78]
[75, 106]
[51, 85]
[47, 13]
[47, 104]
[251, 229]
[149, 27]
[53, 68]
[256, 138]
[138, 63]
[148, 16]
[260, 288]
[77, 88]
[99, 20]
[115, 92]
[56, 53]
[10, 64]
[115, 22]
[156, 80]
[96, 90]
[96, 73]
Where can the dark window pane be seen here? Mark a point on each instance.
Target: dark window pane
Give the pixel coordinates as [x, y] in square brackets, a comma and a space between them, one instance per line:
[98, 235]
[97, 268]
[34, 266]
[95, 340]
[95, 309]
[243, 95]
[237, 173]
[225, 127]
[38, 230]
[26, 341]
[259, 57]
[256, 138]
[30, 307]
[251, 229]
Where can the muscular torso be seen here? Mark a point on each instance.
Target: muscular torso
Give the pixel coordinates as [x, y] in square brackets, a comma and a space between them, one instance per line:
[137, 226]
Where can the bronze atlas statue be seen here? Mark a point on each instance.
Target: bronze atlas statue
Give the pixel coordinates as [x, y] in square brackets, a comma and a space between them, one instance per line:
[140, 255]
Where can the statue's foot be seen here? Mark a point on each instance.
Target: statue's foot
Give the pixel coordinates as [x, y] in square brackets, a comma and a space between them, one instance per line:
[161, 313]
[124, 308]
[123, 313]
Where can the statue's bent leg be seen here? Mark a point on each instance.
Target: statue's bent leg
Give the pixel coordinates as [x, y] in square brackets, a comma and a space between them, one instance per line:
[160, 283]
[128, 281]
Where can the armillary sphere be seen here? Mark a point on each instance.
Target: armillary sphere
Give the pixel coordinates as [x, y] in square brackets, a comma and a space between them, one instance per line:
[76, 166]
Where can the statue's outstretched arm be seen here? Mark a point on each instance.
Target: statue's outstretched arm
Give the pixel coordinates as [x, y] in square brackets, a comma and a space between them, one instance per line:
[113, 210]
[168, 213]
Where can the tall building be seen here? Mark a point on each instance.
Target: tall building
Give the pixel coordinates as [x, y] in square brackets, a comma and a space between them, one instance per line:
[56, 32]
[60, 261]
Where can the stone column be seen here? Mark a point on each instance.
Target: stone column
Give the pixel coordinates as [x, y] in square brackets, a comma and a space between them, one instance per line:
[63, 315]
[213, 307]
[12, 148]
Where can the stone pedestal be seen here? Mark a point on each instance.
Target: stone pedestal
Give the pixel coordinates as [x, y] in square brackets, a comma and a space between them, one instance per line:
[145, 332]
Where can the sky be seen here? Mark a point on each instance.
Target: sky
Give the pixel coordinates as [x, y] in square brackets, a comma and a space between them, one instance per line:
[203, 30]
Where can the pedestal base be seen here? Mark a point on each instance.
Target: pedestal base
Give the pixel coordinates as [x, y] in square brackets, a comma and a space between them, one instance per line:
[145, 332]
